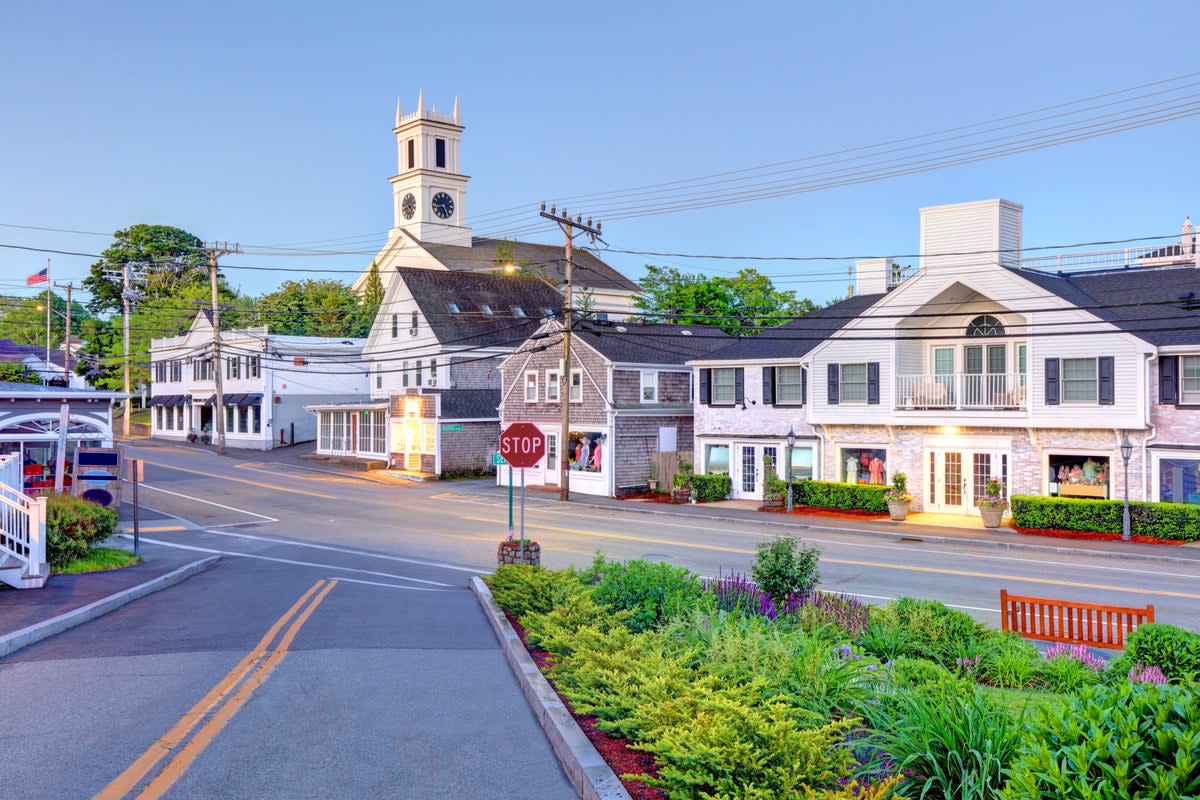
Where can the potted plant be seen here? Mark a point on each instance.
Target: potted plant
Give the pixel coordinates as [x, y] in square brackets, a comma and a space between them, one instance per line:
[191, 435]
[519, 551]
[897, 497]
[653, 481]
[682, 483]
[993, 504]
[774, 487]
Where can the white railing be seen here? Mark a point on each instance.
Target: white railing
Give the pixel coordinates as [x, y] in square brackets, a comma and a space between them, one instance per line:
[22, 520]
[961, 390]
[1126, 258]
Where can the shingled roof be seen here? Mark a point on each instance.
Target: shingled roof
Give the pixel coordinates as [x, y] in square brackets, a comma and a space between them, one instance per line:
[434, 291]
[1144, 301]
[646, 343]
[794, 339]
[482, 256]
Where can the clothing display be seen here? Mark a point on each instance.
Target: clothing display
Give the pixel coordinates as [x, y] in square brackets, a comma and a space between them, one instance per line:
[876, 470]
[597, 453]
[1078, 476]
[864, 465]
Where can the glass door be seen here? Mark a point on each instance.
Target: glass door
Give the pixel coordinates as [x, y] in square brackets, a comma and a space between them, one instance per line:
[973, 379]
[550, 474]
[745, 479]
[948, 485]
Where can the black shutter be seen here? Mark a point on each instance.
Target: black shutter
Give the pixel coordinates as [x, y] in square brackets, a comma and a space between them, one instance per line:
[705, 396]
[768, 386]
[1168, 380]
[873, 383]
[832, 389]
[1104, 372]
[803, 387]
[1051, 381]
[739, 386]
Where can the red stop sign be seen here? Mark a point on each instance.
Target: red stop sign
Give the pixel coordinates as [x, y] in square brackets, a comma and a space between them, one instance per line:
[522, 444]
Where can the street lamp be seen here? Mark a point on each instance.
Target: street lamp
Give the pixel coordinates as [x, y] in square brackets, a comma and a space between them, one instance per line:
[1126, 452]
[791, 442]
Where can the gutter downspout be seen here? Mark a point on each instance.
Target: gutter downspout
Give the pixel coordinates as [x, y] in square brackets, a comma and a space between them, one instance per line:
[1151, 358]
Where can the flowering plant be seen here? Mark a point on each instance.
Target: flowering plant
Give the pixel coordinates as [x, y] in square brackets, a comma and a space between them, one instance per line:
[993, 495]
[899, 489]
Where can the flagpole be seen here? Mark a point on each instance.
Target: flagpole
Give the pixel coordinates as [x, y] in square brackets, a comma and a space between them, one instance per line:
[48, 312]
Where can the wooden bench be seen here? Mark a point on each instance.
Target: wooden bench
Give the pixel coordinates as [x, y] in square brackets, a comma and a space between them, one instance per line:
[1071, 622]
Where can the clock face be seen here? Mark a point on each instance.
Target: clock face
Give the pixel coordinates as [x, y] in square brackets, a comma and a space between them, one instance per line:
[408, 206]
[443, 205]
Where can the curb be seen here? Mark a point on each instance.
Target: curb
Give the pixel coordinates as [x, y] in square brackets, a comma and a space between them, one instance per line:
[16, 640]
[591, 776]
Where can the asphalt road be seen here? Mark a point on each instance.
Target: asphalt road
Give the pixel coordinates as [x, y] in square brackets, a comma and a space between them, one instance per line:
[334, 651]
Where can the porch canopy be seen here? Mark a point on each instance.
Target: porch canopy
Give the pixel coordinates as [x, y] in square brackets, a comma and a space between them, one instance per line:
[170, 400]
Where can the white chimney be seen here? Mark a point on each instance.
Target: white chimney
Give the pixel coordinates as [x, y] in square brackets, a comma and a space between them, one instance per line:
[963, 237]
[871, 275]
[1186, 246]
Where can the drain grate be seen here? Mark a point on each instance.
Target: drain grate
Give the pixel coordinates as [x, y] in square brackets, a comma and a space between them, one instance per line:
[911, 540]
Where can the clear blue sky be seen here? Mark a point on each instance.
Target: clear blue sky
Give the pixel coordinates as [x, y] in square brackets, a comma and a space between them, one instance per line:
[270, 123]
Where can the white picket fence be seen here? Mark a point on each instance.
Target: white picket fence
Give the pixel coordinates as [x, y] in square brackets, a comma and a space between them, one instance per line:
[22, 525]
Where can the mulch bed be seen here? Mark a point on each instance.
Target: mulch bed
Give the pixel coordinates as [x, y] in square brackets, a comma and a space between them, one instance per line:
[650, 497]
[1059, 533]
[614, 750]
[819, 511]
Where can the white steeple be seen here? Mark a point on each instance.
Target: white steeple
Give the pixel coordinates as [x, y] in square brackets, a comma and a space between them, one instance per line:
[429, 191]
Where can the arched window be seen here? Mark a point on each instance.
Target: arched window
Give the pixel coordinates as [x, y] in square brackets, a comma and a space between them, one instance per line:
[985, 325]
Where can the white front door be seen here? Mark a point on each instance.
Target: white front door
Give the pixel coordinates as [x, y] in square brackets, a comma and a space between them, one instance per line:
[958, 477]
[550, 474]
[747, 477]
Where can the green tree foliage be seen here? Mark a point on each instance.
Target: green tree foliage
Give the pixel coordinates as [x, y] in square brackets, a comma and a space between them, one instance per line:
[311, 308]
[24, 319]
[17, 373]
[742, 304]
[369, 303]
[178, 260]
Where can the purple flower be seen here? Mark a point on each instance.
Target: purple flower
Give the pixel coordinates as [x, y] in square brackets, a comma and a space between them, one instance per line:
[1143, 673]
[1076, 652]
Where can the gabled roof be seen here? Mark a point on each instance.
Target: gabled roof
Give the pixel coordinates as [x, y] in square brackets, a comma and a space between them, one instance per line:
[547, 259]
[646, 343]
[796, 338]
[434, 291]
[1144, 301]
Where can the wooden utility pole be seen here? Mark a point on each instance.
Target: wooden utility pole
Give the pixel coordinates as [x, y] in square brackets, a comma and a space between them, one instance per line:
[69, 285]
[49, 306]
[215, 251]
[126, 296]
[569, 227]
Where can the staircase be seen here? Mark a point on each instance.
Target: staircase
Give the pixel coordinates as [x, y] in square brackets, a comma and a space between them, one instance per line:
[22, 530]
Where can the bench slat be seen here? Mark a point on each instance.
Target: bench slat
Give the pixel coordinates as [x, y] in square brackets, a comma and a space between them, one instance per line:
[1071, 622]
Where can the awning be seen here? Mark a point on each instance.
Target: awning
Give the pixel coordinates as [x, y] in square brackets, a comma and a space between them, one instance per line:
[242, 399]
[170, 400]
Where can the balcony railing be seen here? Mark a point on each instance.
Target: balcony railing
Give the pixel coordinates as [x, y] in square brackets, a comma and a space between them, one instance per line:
[1125, 258]
[1003, 390]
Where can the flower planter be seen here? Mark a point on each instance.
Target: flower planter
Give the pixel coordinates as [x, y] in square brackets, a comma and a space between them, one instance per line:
[992, 515]
[897, 510]
[653, 484]
[682, 495]
[773, 501]
[509, 552]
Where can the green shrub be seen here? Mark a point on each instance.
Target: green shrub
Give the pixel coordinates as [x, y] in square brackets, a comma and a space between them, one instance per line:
[555, 631]
[844, 496]
[73, 525]
[706, 488]
[886, 639]
[785, 565]
[947, 745]
[1112, 743]
[651, 591]
[935, 631]
[522, 588]
[918, 673]
[1174, 650]
[1010, 662]
[1067, 675]
[1161, 520]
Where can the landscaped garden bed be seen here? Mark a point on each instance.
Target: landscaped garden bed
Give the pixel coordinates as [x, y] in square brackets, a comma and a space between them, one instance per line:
[767, 688]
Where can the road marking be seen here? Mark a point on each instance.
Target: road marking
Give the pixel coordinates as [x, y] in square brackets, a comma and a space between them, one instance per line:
[855, 563]
[177, 766]
[159, 528]
[390, 585]
[286, 561]
[889, 599]
[257, 484]
[141, 767]
[314, 546]
[208, 502]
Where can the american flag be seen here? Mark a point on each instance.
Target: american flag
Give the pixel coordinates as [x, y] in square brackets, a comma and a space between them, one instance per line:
[38, 277]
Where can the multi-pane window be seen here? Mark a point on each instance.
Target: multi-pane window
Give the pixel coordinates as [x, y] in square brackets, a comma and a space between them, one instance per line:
[1079, 380]
[433, 372]
[233, 367]
[412, 325]
[853, 383]
[395, 325]
[552, 390]
[531, 387]
[243, 413]
[576, 386]
[378, 376]
[202, 369]
[176, 370]
[1189, 379]
[789, 385]
[404, 373]
[418, 372]
[649, 383]
[722, 388]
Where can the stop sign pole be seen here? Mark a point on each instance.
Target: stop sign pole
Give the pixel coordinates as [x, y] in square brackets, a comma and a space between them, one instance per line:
[522, 444]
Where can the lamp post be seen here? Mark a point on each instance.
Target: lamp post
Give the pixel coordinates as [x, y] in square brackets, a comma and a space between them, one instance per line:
[1126, 452]
[791, 442]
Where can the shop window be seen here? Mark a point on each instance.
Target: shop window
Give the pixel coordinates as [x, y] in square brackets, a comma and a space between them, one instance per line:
[1189, 380]
[256, 416]
[863, 464]
[716, 459]
[1179, 480]
[585, 451]
[802, 463]
[853, 386]
[1078, 476]
[243, 413]
[229, 412]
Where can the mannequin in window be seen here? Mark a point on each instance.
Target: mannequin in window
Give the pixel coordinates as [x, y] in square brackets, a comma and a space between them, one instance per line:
[851, 469]
[572, 452]
[597, 453]
[1089, 470]
[876, 470]
[584, 454]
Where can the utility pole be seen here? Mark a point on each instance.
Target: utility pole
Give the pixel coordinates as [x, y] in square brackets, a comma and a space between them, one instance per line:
[215, 251]
[568, 227]
[129, 274]
[69, 285]
[49, 283]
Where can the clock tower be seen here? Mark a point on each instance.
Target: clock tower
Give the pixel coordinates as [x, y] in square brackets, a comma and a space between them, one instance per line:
[429, 191]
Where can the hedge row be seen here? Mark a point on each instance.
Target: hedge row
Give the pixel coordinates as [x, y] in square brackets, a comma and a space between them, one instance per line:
[711, 487]
[73, 525]
[844, 496]
[1160, 520]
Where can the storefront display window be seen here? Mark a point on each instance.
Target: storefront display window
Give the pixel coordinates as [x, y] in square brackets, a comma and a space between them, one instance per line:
[1078, 476]
[586, 451]
[802, 463]
[863, 465]
[1179, 480]
[716, 459]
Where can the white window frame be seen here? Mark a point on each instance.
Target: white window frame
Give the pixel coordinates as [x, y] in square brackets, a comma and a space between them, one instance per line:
[1095, 382]
[531, 397]
[843, 383]
[575, 397]
[714, 397]
[648, 379]
[1187, 396]
[1156, 457]
[378, 376]
[779, 400]
[553, 379]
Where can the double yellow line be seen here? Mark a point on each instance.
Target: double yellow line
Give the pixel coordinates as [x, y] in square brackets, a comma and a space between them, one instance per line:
[216, 708]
